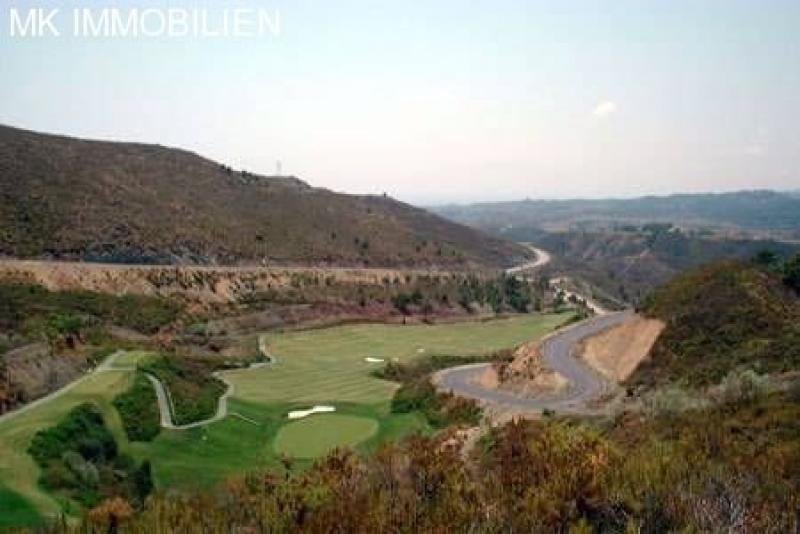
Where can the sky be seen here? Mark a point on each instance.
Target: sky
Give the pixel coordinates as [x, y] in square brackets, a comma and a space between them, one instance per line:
[442, 101]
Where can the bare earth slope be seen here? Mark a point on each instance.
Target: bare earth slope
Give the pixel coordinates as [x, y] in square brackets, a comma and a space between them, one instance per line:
[617, 352]
[66, 198]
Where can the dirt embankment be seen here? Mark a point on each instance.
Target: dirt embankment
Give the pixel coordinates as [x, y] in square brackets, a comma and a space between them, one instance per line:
[617, 352]
[213, 284]
[526, 375]
[34, 370]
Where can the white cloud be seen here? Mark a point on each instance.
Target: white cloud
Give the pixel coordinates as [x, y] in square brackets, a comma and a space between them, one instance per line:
[604, 109]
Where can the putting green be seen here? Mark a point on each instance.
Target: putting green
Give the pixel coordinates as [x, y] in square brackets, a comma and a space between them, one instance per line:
[314, 367]
[318, 434]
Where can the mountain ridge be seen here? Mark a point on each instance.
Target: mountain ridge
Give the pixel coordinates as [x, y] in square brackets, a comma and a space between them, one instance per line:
[108, 201]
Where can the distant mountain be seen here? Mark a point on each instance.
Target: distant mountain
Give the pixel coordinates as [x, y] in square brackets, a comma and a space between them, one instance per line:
[627, 265]
[753, 210]
[67, 198]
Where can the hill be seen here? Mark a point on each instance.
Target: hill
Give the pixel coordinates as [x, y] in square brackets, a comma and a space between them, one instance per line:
[628, 264]
[749, 210]
[66, 198]
[719, 318]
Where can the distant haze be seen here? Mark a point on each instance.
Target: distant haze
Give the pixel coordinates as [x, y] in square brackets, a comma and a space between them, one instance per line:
[446, 101]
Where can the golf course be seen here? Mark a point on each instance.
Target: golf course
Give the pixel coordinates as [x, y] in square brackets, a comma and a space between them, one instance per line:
[332, 366]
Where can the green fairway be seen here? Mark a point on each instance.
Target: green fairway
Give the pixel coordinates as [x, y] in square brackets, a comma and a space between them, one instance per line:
[318, 434]
[327, 366]
[314, 367]
[18, 471]
[15, 511]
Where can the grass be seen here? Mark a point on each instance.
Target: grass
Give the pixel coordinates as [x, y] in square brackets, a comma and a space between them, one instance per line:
[326, 366]
[138, 408]
[15, 511]
[18, 471]
[194, 392]
[314, 367]
[317, 435]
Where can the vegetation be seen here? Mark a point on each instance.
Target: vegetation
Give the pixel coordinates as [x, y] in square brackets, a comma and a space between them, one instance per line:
[206, 213]
[746, 209]
[317, 435]
[629, 264]
[79, 457]
[417, 393]
[138, 408]
[791, 274]
[33, 312]
[712, 470]
[324, 366]
[16, 512]
[720, 318]
[440, 409]
[193, 392]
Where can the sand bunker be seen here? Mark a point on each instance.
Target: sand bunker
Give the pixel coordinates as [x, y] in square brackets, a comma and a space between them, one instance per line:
[301, 414]
[374, 360]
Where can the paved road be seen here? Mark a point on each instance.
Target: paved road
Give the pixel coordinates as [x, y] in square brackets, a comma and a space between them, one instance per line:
[167, 409]
[542, 259]
[558, 353]
[165, 406]
[106, 366]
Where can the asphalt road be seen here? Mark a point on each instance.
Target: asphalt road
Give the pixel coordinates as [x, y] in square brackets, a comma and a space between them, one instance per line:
[542, 259]
[558, 352]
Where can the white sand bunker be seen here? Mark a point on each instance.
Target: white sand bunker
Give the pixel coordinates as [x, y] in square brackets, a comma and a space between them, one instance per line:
[374, 360]
[301, 414]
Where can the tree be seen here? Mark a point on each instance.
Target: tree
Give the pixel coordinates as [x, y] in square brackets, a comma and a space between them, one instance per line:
[791, 273]
[767, 259]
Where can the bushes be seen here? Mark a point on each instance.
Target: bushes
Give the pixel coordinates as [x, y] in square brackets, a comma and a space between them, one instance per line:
[440, 409]
[743, 387]
[791, 273]
[79, 458]
[138, 408]
[418, 394]
[670, 401]
[35, 311]
[82, 430]
[720, 318]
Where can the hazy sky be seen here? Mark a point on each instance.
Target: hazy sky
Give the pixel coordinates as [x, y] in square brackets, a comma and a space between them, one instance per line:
[445, 100]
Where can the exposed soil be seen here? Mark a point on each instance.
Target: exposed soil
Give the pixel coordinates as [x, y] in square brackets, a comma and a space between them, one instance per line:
[32, 371]
[617, 352]
[527, 375]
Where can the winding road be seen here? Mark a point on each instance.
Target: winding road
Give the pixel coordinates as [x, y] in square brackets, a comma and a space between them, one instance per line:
[542, 259]
[558, 351]
[166, 408]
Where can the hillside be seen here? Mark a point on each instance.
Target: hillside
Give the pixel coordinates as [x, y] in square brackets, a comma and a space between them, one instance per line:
[750, 210]
[65, 198]
[629, 264]
[722, 317]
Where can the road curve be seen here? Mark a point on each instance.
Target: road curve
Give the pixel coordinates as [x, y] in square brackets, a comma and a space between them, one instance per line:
[542, 259]
[166, 408]
[106, 366]
[558, 352]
